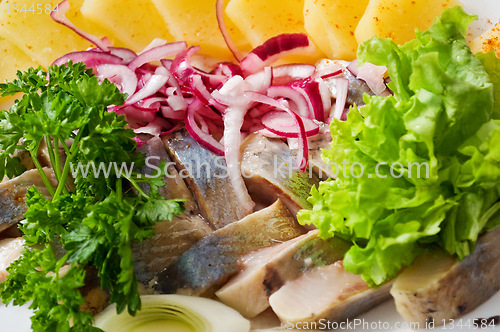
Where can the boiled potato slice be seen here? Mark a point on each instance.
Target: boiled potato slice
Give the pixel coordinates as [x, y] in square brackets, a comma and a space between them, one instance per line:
[398, 19]
[135, 23]
[490, 40]
[75, 16]
[315, 26]
[12, 60]
[331, 24]
[260, 20]
[37, 35]
[195, 22]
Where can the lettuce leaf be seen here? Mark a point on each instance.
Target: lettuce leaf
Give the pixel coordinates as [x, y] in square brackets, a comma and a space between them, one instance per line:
[430, 154]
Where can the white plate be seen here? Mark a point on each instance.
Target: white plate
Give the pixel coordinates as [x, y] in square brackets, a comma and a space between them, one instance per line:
[383, 317]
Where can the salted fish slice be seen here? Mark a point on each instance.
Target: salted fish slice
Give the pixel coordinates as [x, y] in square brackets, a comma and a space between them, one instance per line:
[268, 168]
[172, 238]
[327, 292]
[208, 264]
[206, 176]
[266, 270]
[175, 187]
[13, 195]
[436, 287]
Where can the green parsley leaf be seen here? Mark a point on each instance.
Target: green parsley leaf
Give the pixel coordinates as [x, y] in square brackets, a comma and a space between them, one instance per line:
[37, 276]
[159, 209]
[98, 222]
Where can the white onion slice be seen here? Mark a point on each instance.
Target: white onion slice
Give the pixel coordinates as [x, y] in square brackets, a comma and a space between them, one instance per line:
[293, 72]
[204, 139]
[178, 103]
[293, 95]
[150, 88]
[373, 76]
[342, 89]
[233, 121]
[284, 125]
[232, 95]
[303, 152]
[154, 43]
[326, 97]
[261, 80]
[119, 74]
[157, 53]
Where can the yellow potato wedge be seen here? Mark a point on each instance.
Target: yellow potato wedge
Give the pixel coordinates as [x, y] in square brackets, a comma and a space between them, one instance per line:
[260, 20]
[398, 19]
[196, 23]
[135, 23]
[37, 35]
[331, 24]
[12, 60]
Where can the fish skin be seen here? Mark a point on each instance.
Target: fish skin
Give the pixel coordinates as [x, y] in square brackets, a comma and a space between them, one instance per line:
[13, 192]
[172, 238]
[175, 187]
[357, 88]
[208, 264]
[267, 270]
[335, 295]
[214, 194]
[269, 173]
[451, 288]
[311, 252]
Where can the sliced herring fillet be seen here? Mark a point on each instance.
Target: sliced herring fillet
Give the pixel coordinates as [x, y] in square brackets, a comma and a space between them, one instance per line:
[208, 264]
[13, 195]
[328, 292]
[437, 287]
[268, 168]
[266, 270]
[206, 176]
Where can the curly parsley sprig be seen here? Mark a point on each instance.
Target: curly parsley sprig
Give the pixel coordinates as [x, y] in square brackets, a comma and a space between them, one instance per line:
[96, 224]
